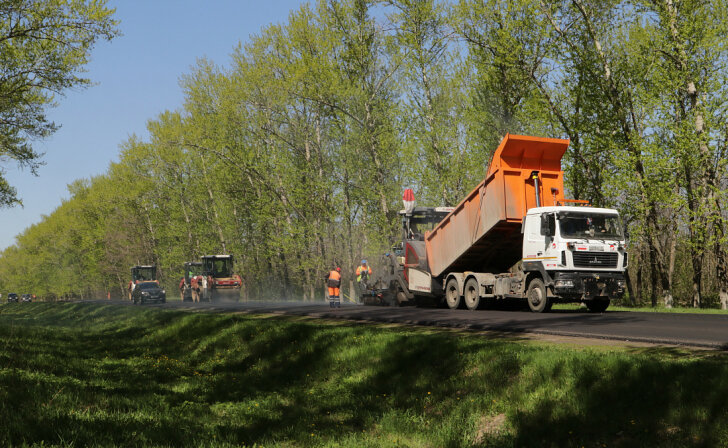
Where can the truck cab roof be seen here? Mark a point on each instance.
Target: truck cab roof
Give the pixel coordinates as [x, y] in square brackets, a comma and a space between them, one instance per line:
[572, 209]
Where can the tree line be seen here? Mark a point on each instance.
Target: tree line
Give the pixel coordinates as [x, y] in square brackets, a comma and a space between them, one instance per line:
[293, 155]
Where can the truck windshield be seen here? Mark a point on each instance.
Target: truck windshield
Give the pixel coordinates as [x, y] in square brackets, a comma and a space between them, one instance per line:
[421, 223]
[590, 225]
[143, 274]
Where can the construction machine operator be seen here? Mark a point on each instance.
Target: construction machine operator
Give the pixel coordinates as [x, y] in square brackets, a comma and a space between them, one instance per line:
[363, 273]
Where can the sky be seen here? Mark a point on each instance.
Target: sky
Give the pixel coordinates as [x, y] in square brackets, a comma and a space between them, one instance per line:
[136, 77]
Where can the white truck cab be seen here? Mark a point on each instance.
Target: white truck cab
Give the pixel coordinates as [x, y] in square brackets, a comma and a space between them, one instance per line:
[579, 251]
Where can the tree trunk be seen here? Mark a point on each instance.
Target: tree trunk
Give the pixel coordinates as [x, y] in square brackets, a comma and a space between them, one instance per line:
[721, 258]
[638, 282]
[630, 289]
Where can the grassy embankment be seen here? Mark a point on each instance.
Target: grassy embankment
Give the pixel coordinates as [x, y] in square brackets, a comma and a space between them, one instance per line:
[86, 375]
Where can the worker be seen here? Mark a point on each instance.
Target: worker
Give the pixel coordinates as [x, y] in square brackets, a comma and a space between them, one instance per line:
[333, 281]
[182, 289]
[363, 272]
[195, 285]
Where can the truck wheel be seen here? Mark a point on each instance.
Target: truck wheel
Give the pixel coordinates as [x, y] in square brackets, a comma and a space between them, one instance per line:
[452, 294]
[399, 299]
[538, 301]
[598, 304]
[472, 294]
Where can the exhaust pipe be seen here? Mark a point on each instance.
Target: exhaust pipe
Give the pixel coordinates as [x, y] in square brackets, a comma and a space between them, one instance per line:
[534, 176]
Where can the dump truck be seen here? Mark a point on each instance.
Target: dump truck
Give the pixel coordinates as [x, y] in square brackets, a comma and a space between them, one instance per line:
[219, 280]
[141, 274]
[514, 237]
[190, 284]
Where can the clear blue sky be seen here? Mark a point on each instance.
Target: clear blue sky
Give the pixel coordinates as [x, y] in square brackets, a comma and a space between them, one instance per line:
[136, 77]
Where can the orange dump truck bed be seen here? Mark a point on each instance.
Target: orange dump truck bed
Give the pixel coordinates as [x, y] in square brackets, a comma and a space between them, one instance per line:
[483, 233]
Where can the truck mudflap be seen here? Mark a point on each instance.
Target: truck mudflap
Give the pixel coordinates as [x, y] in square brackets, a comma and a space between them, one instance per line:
[588, 285]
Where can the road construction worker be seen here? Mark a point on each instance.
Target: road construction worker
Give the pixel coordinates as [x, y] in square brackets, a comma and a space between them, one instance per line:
[195, 286]
[363, 272]
[182, 287]
[333, 281]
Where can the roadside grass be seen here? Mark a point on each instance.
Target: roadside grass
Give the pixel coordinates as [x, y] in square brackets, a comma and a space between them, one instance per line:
[641, 309]
[110, 375]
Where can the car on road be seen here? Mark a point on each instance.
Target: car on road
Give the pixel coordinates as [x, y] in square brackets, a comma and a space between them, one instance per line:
[26, 298]
[12, 297]
[148, 292]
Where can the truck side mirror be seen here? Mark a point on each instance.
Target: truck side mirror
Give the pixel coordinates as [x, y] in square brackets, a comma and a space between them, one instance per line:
[545, 229]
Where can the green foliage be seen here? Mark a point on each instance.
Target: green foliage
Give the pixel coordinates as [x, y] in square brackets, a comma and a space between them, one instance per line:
[44, 45]
[95, 375]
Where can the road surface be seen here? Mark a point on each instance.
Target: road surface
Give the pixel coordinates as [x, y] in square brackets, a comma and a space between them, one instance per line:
[696, 330]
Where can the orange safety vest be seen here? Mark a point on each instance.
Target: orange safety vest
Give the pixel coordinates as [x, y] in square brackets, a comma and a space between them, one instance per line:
[334, 279]
[362, 269]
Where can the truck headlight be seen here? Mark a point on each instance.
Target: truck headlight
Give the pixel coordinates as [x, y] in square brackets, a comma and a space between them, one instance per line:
[564, 283]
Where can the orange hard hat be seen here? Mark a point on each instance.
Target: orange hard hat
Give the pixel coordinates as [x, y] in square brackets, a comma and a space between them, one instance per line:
[338, 269]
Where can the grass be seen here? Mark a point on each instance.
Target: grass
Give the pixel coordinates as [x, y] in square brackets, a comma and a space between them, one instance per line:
[643, 309]
[106, 375]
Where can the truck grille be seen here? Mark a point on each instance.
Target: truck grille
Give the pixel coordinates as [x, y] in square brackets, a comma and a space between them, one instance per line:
[595, 259]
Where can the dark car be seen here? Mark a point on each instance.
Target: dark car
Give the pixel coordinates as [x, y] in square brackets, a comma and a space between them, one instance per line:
[148, 292]
[12, 297]
[26, 298]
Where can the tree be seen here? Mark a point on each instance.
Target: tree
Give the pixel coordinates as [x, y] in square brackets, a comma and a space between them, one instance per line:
[44, 45]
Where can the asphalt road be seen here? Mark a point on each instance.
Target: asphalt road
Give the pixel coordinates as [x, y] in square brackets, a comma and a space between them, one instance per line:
[695, 330]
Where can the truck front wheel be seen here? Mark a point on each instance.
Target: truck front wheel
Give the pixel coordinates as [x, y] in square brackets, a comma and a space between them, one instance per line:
[452, 294]
[472, 294]
[538, 301]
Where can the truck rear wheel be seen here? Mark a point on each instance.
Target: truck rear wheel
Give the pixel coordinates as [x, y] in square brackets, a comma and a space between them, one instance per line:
[598, 304]
[472, 294]
[452, 294]
[538, 301]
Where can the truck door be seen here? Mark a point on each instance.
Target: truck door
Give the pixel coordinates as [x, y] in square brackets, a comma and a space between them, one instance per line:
[538, 238]
[533, 241]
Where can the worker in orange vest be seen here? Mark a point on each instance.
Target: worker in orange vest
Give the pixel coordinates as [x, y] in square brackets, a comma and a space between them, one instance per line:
[333, 281]
[363, 273]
